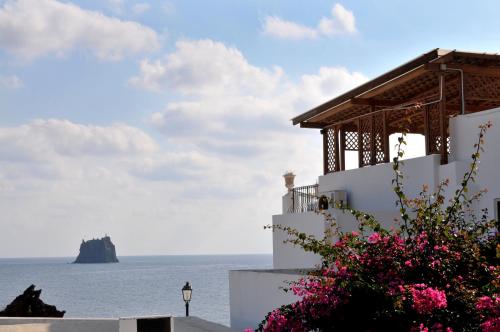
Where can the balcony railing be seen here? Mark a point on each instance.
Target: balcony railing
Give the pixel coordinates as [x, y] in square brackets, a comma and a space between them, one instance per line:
[304, 199]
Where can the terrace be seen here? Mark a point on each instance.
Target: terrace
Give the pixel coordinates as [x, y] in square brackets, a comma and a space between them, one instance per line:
[420, 96]
[443, 96]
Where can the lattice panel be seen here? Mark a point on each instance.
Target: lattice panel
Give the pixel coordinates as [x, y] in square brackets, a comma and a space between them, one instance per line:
[438, 143]
[372, 140]
[434, 128]
[482, 92]
[378, 129]
[366, 157]
[366, 129]
[351, 141]
[330, 140]
[482, 87]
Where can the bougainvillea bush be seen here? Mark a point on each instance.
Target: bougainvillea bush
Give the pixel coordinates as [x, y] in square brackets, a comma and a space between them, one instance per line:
[437, 271]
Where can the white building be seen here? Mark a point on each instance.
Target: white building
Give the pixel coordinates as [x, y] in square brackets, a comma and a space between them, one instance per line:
[454, 92]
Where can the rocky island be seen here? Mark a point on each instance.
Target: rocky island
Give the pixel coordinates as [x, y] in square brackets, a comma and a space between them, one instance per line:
[97, 251]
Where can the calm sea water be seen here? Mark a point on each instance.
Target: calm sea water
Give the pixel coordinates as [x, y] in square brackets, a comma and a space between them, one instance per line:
[149, 285]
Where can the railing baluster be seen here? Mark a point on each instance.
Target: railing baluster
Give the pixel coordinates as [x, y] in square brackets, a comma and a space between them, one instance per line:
[304, 199]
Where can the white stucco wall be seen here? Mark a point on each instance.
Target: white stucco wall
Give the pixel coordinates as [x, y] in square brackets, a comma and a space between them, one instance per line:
[348, 223]
[370, 188]
[28, 324]
[464, 130]
[63, 325]
[254, 293]
[195, 324]
[25, 328]
[286, 255]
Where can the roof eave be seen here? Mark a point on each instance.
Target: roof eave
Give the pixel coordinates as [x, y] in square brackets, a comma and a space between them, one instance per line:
[406, 67]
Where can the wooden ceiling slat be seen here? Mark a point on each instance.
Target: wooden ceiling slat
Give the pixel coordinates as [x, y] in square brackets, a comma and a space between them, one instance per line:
[425, 58]
[418, 84]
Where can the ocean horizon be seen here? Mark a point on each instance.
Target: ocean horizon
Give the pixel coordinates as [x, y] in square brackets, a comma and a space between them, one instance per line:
[136, 286]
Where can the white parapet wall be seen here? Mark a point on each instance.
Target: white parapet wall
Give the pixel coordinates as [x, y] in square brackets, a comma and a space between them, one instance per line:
[254, 293]
[25, 324]
[370, 188]
[132, 324]
[288, 256]
[348, 223]
[464, 131]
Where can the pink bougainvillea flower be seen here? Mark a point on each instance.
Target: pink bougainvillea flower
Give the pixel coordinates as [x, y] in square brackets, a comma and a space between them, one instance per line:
[374, 238]
[427, 299]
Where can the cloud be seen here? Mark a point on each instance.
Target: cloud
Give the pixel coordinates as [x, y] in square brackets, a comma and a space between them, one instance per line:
[34, 28]
[69, 180]
[280, 28]
[42, 139]
[229, 108]
[205, 67]
[11, 82]
[210, 165]
[140, 8]
[342, 21]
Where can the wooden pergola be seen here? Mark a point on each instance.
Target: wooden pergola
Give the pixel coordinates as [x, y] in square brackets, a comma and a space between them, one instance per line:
[420, 96]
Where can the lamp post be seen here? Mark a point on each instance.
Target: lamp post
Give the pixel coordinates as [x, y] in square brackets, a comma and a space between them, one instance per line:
[187, 291]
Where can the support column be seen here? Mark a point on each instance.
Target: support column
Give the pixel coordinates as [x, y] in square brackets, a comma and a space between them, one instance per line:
[443, 123]
[427, 132]
[336, 148]
[360, 144]
[373, 153]
[325, 151]
[385, 138]
[342, 149]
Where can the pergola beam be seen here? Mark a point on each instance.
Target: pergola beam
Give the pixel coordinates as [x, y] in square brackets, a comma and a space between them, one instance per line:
[467, 69]
[424, 58]
[376, 109]
[374, 102]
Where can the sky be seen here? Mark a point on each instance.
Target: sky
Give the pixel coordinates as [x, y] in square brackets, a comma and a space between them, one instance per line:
[166, 124]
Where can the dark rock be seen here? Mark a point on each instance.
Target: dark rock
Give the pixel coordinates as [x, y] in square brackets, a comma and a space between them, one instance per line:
[28, 304]
[97, 251]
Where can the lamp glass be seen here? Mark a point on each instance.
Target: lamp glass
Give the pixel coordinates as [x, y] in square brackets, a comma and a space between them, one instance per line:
[186, 292]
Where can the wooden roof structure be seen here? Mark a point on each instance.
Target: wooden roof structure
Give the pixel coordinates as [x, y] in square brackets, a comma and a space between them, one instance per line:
[421, 94]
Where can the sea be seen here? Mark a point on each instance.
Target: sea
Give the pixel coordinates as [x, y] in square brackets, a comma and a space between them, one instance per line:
[137, 286]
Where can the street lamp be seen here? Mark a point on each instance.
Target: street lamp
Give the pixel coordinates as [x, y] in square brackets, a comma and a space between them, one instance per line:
[186, 295]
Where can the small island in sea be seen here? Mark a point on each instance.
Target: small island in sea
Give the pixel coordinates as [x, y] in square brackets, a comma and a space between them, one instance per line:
[97, 251]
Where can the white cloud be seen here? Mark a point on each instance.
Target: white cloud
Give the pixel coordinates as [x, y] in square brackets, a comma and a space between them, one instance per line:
[140, 8]
[230, 108]
[280, 28]
[42, 139]
[205, 67]
[11, 82]
[34, 28]
[342, 21]
[69, 180]
[213, 167]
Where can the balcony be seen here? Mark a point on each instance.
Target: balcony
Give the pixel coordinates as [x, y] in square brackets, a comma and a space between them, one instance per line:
[302, 199]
